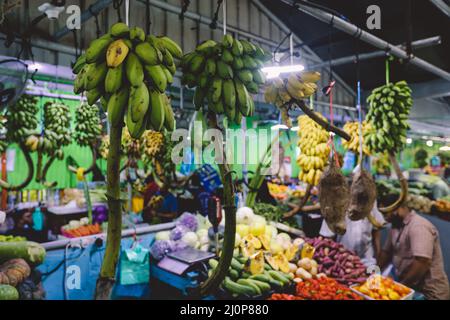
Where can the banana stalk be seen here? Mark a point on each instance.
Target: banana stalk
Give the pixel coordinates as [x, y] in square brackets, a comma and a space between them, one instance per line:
[5, 185]
[91, 167]
[327, 126]
[219, 273]
[106, 280]
[43, 175]
[403, 188]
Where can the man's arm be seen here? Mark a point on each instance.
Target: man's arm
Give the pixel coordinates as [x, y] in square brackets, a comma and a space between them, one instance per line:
[416, 271]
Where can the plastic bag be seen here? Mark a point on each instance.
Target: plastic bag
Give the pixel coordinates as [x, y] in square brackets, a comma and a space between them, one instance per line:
[134, 265]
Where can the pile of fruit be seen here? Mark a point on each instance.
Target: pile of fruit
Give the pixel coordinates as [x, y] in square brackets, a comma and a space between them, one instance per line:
[80, 228]
[87, 127]
[103, 149]
[130, 72]
[442, 205]
[336, 262]
[151, 143]
[314, 149]
[378, 287]
[278, 191]
[352, 128]
[389, 108]
[18, 278]
[10, 238]
[22, 121]
[56, 129]
[225, 75]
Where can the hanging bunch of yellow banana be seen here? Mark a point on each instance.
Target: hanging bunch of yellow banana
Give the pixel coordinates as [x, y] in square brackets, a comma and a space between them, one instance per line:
[129, 145]
[130, 72]
[352, 128]
[225, 75]
[151, 143]
[314, 149]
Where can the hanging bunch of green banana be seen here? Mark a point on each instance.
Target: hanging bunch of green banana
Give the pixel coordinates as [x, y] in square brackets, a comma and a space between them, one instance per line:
[22, 122]
[389, 108]
[56, 129]
[225, 75]
[129, 72]
[87, 125]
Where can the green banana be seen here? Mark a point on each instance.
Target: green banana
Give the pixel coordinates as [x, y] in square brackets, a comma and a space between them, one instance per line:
[113, 79]
[229, 93]
[96, 52]
[199, 97]
[116, 106]
[157, 110]
[120, 30]
[245, 76]
[138, 102]
[237, 48]
[157, 76]
[216, 90]
[227, 41]
[224, 70]
[197, 64]
[148, 54]
[172, 47]
[79, 64]
[95, 76]
[137, 34]
[93, 95]
[134, 70]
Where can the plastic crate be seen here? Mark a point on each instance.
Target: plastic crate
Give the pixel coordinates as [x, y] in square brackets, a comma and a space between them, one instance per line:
[409, 296]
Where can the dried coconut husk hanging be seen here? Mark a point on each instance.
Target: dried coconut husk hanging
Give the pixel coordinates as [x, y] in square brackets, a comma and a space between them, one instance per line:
[334, 197]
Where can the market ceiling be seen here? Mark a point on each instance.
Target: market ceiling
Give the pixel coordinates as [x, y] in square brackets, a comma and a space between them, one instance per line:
[426, 21]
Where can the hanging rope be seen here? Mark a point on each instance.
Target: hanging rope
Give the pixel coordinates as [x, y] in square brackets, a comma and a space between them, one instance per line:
[116, 5]
[184, 8]
[148, 21]
[213, 24]
[358, 105]
[387, 69]
[97, 25]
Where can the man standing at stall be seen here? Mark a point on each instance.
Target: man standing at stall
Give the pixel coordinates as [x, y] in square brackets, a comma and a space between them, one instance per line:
[414, 249]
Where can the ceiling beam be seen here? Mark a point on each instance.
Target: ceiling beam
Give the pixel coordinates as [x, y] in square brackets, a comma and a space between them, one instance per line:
[369, 38]
[441, 5]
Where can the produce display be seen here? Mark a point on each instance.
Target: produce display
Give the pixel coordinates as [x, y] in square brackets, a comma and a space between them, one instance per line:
[273, 213]
[10, 238]
[225, 75]
[130, 72]
[152, 143]
[80, 228]
[389, 108]
[378, 287]
[335, 261]
[32, 252]
[324, 288]
[22, 121]
[442, 205]
[156, 151]
[334, 198]
[14, 271]
[419, 203]
[314, 149]
[352, 128]
[87, 125]
[363, 193]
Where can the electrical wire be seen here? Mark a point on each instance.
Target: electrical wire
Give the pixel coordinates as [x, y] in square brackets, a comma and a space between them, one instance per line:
[213, 24]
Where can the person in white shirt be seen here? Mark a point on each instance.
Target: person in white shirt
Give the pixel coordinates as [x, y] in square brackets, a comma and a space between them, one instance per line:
[361, 237]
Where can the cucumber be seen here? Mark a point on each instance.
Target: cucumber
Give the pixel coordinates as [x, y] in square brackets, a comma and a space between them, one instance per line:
[288, 276]
[246, 275]
[278, 276]
[236, 265]
[213, 263]
[234, 287]
[261, 277]
[234, 275]
[264, 286]
[274, 282]
[247, 282]
[267, 267]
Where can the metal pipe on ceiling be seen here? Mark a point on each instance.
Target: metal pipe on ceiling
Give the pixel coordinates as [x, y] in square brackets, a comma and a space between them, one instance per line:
[441, 5]
[95, 8]
[370, 55]
[369, 38]
[281, 24]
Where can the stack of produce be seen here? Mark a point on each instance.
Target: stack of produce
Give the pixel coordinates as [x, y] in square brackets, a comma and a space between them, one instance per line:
[305, 269]
[87, 127]
[10, 238]
[157, 152]
[419, 203]
[56, 129]
[225, 75]
[130, 72]
[378, 287]
[352, 128]
[337, 262]
[151, 143]
[80, 228]
[314, 149]
[324, 288]
[389, 108]
[278, 191]
[442, 205]
[17, 260]
[273, 213]
[297, 86]
[22, 122]
[251, 277]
